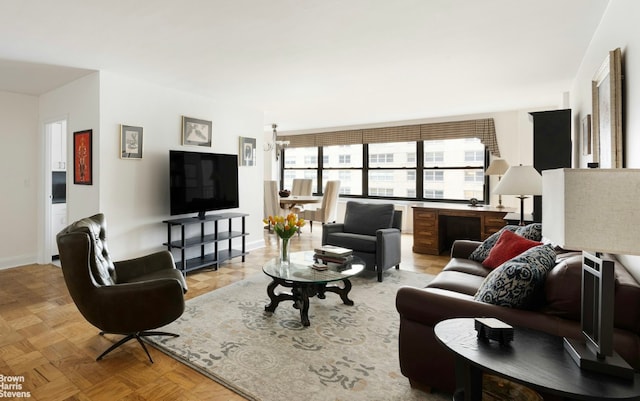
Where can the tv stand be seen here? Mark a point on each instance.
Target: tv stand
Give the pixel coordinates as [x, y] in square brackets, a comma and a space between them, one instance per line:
[210, 254]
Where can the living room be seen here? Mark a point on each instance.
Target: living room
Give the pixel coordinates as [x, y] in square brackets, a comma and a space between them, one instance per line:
[133, 194]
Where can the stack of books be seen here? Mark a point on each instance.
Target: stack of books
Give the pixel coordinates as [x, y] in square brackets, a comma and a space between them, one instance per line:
[332, 256]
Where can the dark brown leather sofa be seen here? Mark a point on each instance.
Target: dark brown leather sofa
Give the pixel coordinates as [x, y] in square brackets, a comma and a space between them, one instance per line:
[428, 365]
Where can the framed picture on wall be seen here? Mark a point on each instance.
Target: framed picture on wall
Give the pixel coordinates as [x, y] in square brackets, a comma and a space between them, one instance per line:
[130, 142]
[82, 157]
[247, 151]
[196, 132]
[606, 93]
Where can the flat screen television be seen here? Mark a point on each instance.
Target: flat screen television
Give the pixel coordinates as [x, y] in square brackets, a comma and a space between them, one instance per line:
[200, 182]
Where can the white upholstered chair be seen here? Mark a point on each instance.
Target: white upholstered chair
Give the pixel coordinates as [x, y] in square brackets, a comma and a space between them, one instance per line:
[272, 200]
[302, 187]
[328, 208]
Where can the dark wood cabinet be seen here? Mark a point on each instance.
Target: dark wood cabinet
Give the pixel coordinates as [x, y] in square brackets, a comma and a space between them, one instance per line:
[437, 225]
[551, 146]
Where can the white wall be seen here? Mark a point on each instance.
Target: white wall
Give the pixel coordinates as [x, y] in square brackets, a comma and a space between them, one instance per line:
[132, 193]
[78, 102]
[135, 193]
[619, 28]
[19, 166]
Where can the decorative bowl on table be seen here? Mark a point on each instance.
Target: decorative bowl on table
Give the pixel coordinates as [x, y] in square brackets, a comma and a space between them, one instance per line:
[284, 193]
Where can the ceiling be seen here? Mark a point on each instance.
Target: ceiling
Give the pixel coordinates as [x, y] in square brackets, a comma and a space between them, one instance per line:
[310, 64]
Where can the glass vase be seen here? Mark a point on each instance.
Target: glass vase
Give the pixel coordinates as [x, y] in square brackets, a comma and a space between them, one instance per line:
[284, 252]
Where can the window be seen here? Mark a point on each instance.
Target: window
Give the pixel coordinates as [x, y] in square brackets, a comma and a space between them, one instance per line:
[433, 157]
[454, 168]
[473, 155]
[451, 169]
[380, 158]
[432, 176]
[434, 194]
[381, 191]
[300, 163]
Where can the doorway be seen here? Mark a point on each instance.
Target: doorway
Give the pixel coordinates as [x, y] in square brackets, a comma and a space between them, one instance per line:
[55, 170]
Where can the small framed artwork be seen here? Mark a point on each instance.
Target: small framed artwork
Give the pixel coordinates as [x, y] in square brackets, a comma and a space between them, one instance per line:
[247, 152]
[586, 135]
[82, 157]
[606, 92]
[196, 132]
[130, 142]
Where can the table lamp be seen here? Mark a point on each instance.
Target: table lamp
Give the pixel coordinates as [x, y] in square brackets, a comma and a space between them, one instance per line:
[498, 167]
[521, 181]
[595, 211]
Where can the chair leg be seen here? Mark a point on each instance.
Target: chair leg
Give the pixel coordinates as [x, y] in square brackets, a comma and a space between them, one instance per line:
[380, 275]
[398, 266]
[138, 336]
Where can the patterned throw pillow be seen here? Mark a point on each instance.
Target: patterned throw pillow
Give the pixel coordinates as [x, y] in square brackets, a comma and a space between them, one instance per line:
[531, 231]
[518, 282]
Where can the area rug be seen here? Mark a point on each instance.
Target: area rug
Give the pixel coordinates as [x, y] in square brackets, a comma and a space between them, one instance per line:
[348, 352]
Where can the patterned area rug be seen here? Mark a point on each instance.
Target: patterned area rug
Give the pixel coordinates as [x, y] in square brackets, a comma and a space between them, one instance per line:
[348, 352]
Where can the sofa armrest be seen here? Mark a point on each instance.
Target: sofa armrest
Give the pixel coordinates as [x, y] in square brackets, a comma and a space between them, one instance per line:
[329, 228]
[462, 248]
[388, 247]
[131, 268]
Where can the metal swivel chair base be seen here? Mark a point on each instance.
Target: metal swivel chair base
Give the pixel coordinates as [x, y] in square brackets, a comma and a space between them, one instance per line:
[138, 336]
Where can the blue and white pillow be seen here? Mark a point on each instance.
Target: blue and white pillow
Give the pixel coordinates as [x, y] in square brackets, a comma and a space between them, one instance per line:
[530, 231]
[518, 282]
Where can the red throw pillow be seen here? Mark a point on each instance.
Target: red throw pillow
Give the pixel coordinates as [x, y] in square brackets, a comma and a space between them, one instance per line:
[509, 245]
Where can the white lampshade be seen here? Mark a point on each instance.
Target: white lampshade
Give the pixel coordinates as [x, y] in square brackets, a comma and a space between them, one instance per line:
[520, 180]
[497, 167]
[592, 209]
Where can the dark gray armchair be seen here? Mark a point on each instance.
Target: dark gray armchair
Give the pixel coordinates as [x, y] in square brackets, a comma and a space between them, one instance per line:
[372, 231]
[129, 298]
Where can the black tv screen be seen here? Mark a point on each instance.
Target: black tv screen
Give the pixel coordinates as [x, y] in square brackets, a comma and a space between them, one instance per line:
[200, 182]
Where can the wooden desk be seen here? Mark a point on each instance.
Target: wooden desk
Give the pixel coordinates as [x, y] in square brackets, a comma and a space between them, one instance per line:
[534, 359]
[436, 225]
[291, 201]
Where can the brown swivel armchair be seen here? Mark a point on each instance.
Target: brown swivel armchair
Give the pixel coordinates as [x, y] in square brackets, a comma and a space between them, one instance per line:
[130, 297]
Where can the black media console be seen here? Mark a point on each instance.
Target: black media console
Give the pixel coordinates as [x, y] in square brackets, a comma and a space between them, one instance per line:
[210, 253]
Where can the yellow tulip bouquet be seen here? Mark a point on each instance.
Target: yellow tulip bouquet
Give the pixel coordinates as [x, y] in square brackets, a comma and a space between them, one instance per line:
[285, 227]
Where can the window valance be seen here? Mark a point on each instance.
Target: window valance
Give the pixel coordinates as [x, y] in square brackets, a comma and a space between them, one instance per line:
[483, 129]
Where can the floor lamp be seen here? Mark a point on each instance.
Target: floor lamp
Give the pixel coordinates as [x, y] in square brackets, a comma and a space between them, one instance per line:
[521, 181]
[498, 167]
[594, 210]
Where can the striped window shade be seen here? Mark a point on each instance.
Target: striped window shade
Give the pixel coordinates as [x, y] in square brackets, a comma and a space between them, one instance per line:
[483, 129]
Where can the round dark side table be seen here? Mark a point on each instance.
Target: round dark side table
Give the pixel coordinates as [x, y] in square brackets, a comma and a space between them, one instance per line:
[534, 358]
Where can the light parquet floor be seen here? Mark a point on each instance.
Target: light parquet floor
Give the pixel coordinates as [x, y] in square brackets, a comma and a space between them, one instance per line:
[45, 340]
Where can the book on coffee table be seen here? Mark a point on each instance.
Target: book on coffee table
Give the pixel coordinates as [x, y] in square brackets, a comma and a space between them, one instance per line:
[333, 251]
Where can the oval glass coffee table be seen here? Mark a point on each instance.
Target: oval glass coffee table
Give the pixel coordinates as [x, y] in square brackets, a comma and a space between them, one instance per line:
[306, 282]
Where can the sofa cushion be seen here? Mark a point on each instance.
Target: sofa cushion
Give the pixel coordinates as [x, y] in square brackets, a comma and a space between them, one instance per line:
[518, 282]
[563, 287]
[466, 266]
[358, 242]
[508, 246]
[457, 282]
[531, 231]
[367, 218]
